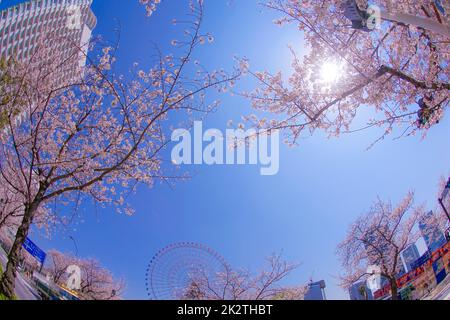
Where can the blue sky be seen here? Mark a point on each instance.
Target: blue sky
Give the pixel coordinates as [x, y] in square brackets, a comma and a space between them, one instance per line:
[305, 210]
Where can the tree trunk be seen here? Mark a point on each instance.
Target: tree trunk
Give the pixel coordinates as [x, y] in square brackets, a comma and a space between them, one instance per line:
[394, 289]
[7, 282]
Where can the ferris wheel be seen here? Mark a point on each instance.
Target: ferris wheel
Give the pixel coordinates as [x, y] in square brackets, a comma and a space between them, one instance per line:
[170, 271]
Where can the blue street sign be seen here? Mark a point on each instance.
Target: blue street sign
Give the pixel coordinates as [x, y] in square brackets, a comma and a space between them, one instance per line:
[34, 250]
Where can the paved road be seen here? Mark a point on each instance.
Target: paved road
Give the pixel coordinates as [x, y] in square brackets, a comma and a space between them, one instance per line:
[23, 290]
[443, 294]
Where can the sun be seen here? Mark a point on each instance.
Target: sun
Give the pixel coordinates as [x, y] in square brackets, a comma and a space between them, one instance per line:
[331, 72]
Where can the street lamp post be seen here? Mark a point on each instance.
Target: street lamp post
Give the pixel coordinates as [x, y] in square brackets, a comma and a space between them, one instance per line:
[424, 23]
[367, 19]
[75, 245]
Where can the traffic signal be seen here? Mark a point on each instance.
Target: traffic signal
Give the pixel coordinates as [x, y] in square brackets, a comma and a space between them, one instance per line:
[448, 184]
[356, 15]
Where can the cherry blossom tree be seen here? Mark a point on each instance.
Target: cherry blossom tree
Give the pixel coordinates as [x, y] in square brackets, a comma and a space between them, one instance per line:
[397, 74]
[241, 285]
[378, 238]
[4, 82]
[150, 6]
[97, 283]
[11, 207]
[12, 210]
[8, 79]
[438, 220]
[57, 266]
[442, 216]
[5, 241]
[98, 136]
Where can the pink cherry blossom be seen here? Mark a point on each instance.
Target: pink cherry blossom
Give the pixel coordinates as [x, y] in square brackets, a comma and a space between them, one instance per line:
[399, 74]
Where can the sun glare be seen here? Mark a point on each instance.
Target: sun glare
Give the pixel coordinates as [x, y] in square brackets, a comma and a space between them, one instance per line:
[331, 72]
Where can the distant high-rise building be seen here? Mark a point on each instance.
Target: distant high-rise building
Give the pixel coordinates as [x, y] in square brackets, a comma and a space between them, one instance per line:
[409, 257]
[316, 291]
[433, 236]
[65, 26]
[360, 291]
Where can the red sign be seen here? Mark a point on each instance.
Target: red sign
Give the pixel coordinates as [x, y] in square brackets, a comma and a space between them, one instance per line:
[414, 274]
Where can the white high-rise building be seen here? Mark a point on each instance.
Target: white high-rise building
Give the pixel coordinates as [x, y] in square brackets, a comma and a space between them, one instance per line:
[63, 26]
